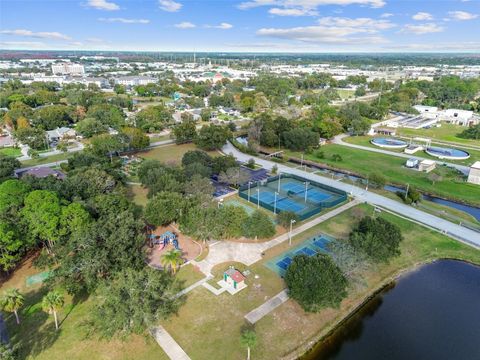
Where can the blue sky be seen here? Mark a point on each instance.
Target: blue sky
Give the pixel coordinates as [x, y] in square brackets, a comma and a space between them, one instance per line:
[236, 25]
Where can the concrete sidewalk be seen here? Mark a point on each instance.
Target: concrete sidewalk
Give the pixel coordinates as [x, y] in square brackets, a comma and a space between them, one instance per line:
[256, 314]
[168, 344]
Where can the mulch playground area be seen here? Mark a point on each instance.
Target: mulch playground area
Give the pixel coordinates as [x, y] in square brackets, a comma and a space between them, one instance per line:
[189, 248]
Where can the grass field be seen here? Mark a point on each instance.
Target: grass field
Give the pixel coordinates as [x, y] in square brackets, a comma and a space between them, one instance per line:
[138, 194]
[365, 162]
[170, 153]
[11, 151]
[365, 141]
[46, 160]
[208, 326]
[345, 93]
[447, 133]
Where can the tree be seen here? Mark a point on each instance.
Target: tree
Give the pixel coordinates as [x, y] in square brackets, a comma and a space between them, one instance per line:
[196, 156]
[164, 208]
[35, 138]
[89, 127]
[378, 239]
[234, 176]
[377, 180]
[7, 166]
[434, 177]
[199, 186]
[360, 91]
[51, 303]
[212, 137]
[12, 244]
[184, 132]
[171, 260]
[107, 114]
[472, 132]
[315, 282]
[41, 214]
[119, 89]
[153, 118]
[285, 217]
[134, 301]
[136, 138]
[300, 139]
[11, 301]
[51, 117]
[259, 225]
[248, 339]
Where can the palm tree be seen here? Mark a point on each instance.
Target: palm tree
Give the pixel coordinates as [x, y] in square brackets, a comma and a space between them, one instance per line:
[171, 259]
[12, 301]
[51, 303]
[248, 340]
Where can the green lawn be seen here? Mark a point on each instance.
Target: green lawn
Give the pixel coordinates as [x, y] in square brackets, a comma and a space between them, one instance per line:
[365, 162]
[170, 153]
[46, 160]
[345, 93]
[138, 194]
[208, 326]
[11, 151]
[365, 141]
[447, 133]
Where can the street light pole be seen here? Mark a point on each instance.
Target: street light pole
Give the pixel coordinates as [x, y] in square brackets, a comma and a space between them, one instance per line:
[279, 179]
[249, 183]
[292, 221]
[306, 189]
[275, 204]
[258, 197]
[406, 193]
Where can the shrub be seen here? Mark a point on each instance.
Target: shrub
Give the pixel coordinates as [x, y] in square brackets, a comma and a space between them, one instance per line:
[258, 225]
[337, 157]
[285, 217]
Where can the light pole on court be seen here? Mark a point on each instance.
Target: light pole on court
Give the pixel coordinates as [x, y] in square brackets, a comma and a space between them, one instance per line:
[258, 197]
[275, 204]
[279, 177]
[249, 183]
[306, 189]
[292, 221]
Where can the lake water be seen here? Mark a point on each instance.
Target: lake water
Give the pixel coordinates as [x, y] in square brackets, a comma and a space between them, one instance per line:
[431, 313]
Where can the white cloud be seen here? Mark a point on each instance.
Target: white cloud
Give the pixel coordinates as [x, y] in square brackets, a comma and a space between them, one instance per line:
[103, 5]
[42, 34]
[308, 4]
[185, 25]
[334, 30]
[462, 15]
[386, 15]
[222, 26]
[169, 5]
[421, 29]
[21, 44]
[362, 24]
[422, 16]
[125, 21]
[292, 12]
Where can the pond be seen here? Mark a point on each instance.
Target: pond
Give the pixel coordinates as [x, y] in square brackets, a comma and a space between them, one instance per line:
[431, 313]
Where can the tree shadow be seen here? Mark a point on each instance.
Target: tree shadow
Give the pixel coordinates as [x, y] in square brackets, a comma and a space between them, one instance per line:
[77, 299]
[33, 335]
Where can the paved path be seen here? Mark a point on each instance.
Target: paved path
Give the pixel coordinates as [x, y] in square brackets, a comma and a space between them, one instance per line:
[455, 231]
[250, 253]
[256, 314]
[339, 141]
[168, 344]
[193, 286]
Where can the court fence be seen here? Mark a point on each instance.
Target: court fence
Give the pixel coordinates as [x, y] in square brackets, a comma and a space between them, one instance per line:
[341, 196]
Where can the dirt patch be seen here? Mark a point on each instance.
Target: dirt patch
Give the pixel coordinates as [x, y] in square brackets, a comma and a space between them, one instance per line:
[190, 249]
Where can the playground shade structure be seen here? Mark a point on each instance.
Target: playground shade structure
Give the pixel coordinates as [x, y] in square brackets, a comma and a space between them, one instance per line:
[312, 246]
[292, 193]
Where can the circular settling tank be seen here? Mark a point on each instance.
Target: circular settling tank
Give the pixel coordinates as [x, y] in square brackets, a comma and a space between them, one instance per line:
[389, 143]
[447, 153]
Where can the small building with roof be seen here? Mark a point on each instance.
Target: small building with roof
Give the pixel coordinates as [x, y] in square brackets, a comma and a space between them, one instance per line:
[234, 279]
[474, 174]
[40, 172]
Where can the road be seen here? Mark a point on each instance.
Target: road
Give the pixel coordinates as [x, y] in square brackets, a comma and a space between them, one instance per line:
[455, 231]
[56, 163]
[339, 141]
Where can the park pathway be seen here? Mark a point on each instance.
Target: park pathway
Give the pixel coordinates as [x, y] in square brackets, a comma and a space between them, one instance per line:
[268, 306]
[168, 344]
[456, 232]
[250, 253]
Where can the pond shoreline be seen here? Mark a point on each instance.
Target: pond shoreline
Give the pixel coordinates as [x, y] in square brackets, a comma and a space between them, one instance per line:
[325, 334]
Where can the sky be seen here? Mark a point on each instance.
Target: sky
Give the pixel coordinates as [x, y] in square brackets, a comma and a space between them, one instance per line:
[242, 26]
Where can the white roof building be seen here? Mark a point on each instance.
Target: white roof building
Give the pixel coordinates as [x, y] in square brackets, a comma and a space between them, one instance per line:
[68, 69]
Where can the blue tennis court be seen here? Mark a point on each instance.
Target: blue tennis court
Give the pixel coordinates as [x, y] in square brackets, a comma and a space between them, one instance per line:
[309, 247]
[286, 192]
[287, 204]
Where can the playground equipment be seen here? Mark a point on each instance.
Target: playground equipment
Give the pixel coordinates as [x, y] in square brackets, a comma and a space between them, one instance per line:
[166, 238]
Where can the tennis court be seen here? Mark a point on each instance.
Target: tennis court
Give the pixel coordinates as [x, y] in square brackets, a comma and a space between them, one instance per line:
[292, 193]
[309, 247]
